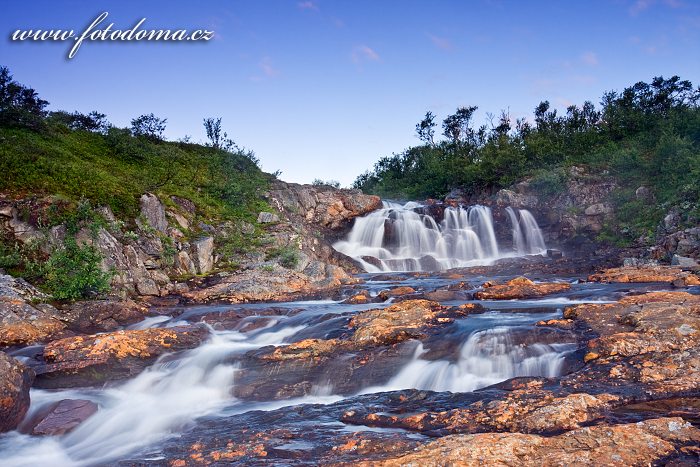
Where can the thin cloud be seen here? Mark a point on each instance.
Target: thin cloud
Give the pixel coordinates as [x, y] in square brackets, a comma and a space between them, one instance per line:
[267, 68]
[589, 58]
[639, 6]
[363, 53]
[308, 5]
[441, 42]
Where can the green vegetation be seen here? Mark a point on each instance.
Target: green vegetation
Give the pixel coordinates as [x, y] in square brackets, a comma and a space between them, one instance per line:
[647, 135]
[73, 272]
[288, 257]
[65, 165]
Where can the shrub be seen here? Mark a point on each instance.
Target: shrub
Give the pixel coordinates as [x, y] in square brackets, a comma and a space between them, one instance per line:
[73, 272]
[288, 257]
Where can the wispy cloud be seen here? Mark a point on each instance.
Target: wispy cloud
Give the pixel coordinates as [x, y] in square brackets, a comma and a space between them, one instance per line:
[308, 5]
[441, 42]
[363, 53]
[589, 58]
[641, 5]
[267, 68]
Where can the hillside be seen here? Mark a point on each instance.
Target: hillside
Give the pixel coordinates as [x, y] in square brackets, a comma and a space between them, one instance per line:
[646, 138]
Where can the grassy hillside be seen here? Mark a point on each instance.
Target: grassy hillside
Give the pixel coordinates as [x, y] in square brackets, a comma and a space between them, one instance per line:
[115, 169]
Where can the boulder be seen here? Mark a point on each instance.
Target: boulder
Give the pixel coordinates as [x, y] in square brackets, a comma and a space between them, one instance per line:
[88, 317]
[15, 381]
[203, 251]
[268, 218]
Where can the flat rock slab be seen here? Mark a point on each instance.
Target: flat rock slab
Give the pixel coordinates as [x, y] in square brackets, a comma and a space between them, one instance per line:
[669, 275]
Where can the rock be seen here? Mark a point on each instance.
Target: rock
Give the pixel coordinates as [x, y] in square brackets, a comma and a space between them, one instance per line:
[8, 210]
[554, 254]
[15, 380]
[267, 218]
[92, 360]
[643, 194]
[63, 416]
[203, 251]
[405, 320]
[376, 262]
[598, 209]
[519, 288]
[184, 264]
[669, 275]
[639, 444]
[429, 263]
[684, 262]
[20, 322]
[153, 212]
[88, 317]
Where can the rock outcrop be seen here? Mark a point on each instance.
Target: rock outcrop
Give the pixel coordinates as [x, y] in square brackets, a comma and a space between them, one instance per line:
[670, 275]
[15, 380]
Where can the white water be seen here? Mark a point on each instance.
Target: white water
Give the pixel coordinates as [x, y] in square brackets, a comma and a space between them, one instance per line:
[162, 400]
[401, 239]
[486, 357]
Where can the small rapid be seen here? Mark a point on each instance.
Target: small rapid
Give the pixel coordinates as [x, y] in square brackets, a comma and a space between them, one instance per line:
[403, 238]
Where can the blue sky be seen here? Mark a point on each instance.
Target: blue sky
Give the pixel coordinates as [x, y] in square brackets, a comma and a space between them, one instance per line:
[322, 89]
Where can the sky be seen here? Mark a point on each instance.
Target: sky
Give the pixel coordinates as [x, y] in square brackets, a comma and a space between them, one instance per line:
[323, 89]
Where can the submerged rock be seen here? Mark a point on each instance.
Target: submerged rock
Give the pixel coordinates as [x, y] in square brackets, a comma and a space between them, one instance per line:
[519, 288]
[15, 380]
[61, 417]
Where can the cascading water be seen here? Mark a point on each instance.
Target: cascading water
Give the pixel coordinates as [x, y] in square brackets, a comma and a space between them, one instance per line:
[399, 238]
[486, 357]
[527, 236]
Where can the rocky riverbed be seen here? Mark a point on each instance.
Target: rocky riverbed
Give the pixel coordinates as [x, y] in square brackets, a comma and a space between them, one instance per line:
[471, 366]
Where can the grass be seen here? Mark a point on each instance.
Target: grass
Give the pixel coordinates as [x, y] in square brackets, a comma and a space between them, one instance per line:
[116, 169]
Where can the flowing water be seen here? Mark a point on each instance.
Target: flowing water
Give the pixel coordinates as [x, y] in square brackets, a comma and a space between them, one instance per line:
[403, 238]
[180, 391]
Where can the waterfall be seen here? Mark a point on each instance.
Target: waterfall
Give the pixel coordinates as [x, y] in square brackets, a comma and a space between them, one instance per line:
[486, 357]
[402, 238]
[527, 236]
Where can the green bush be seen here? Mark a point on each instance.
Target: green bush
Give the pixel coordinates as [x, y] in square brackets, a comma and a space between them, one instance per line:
[549, 182]
[288, 257]
[73, 272]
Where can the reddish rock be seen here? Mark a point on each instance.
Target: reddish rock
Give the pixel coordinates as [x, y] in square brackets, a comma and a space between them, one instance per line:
[636, 444]
[519, 288]
[63, 416]
[90, 360]
[669, 275]
[15, 381]
[404, 320]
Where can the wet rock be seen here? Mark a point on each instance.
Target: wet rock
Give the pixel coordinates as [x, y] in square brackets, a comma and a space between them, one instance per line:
[429, 263]
[637, 444]
[669, 275]
[153, 212]
[91, 360]
[396, 292]
[63, 416]
[376, 262]
[93, 316]
[519, 288]
[554, 254]
[15, 380]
